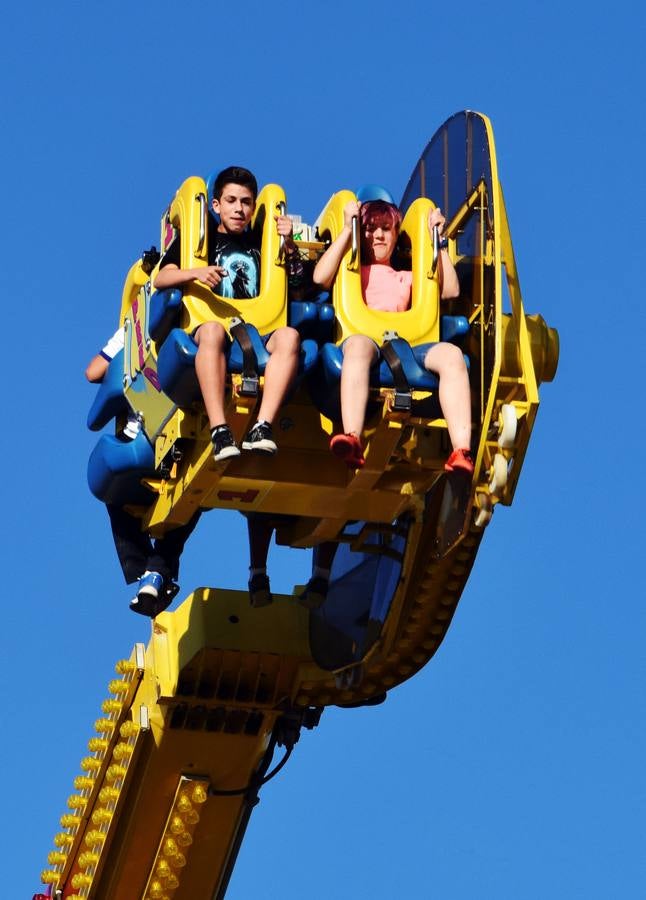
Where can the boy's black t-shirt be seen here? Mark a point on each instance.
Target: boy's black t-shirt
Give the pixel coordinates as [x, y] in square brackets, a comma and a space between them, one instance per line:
[239, 254]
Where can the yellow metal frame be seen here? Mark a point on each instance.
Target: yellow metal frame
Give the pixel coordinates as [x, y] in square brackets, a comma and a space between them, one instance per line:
[188, 215]
[417, 325]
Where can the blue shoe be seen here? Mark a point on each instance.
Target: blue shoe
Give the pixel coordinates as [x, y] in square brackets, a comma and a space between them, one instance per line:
[151, 596]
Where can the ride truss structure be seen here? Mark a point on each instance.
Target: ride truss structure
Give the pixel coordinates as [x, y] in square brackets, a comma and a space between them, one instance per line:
[194, 722]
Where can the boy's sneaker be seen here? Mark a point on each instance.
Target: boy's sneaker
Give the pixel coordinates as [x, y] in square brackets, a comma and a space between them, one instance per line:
[460, 461]
[224, 445]
[259, 590]
[315, 593]
[260, 438]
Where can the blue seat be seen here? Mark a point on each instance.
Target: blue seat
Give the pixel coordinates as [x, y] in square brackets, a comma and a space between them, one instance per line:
[116, 468]
[109, 400]
[165, 308]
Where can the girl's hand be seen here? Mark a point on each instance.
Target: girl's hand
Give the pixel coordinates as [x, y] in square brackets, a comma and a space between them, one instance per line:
[350, 210]
[435, 217]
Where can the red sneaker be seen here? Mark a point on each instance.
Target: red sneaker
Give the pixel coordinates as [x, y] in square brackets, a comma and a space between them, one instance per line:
[348, 448]
[460, 460]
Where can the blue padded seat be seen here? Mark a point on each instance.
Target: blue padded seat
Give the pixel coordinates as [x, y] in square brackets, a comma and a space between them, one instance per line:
[165, 307]
[109, 400]
[176, 362]
[116, 467]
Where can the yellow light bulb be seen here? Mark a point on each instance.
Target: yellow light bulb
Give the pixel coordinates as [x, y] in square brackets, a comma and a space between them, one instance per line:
[177, 825]
[100, 816]
[97, 745]
[70, 820]
[124, 666]
[172, 882]
[115, 772]
[56, 858]
[62, 839]
[184, 839]
[122, 750]
[117, 686]
[76, 802]
[49, 877]
[83, 783]
[156, 891]
[198, 794]
[129, 729]
[93, 838]
[108, 794]
[87, 859]
[179, 860]
[104, 726]
[81, 880]
[91, 763]
[170, 847]
[163, 869]
[111, 706]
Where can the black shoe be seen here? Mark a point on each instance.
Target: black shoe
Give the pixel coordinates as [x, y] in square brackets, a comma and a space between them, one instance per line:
[224, 445]
[155, 595]
[315, 593]
[259, 590]
[260, 438]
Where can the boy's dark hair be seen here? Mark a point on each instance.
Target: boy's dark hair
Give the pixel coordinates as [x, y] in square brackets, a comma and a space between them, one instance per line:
[235, 175]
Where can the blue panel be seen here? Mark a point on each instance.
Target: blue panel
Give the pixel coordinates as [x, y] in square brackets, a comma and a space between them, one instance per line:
[176, 368]
[116, 467]
[110, 400]
[165, 307]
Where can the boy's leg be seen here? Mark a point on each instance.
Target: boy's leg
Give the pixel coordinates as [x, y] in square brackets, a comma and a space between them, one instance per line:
[280, 372]
[133, 545]
[210, 368]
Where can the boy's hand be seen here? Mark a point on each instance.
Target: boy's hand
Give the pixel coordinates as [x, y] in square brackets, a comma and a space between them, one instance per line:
[435, 217]
[350, 210]
[284, 226]
[211, 276]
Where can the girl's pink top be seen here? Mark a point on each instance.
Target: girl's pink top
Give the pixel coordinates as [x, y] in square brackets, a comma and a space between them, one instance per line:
[386, 289]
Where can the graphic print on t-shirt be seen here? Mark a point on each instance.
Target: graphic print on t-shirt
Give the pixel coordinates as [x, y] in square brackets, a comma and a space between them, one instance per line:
[242, 266]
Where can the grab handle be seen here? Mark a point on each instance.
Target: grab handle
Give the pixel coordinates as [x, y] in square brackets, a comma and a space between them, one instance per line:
[201, 198]
[355, 240]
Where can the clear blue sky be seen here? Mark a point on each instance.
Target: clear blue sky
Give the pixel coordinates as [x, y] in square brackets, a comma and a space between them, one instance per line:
[513, 765]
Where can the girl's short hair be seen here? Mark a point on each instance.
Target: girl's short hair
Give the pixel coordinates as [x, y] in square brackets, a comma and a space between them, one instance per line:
[374, 211]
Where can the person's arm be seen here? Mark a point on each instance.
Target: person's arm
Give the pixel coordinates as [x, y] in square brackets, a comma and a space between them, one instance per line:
[328, 265]
[172, 276]
[448, 277]
[96, 368]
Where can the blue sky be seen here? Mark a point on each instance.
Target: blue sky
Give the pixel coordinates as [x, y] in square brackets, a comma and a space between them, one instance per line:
[512, 766]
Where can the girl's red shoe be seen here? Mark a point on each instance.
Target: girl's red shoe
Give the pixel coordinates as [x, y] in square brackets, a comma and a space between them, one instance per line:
[460, 460]
[348, 448]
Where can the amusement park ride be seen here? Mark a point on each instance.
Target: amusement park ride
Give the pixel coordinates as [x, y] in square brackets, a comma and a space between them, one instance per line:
[187, 736]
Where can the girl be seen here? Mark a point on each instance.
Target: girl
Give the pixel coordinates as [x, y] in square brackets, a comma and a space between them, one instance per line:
[384, 288]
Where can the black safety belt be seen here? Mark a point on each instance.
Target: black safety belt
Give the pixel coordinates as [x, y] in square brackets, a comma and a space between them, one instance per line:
[238, 331]
[403, 395]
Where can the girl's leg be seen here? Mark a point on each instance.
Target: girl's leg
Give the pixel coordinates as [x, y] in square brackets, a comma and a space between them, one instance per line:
[359, 353]
[447, 362]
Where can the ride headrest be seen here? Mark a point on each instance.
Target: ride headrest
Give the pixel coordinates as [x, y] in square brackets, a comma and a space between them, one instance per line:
[373, 192]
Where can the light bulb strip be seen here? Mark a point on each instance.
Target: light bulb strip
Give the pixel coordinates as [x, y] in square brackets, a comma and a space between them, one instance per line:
[81, 844]
[177, 838]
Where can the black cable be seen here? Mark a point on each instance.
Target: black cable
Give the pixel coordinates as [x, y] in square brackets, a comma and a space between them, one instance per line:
[254, 784]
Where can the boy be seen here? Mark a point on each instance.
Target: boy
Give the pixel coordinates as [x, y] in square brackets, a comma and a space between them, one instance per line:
[234, 268]
[154, 566]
